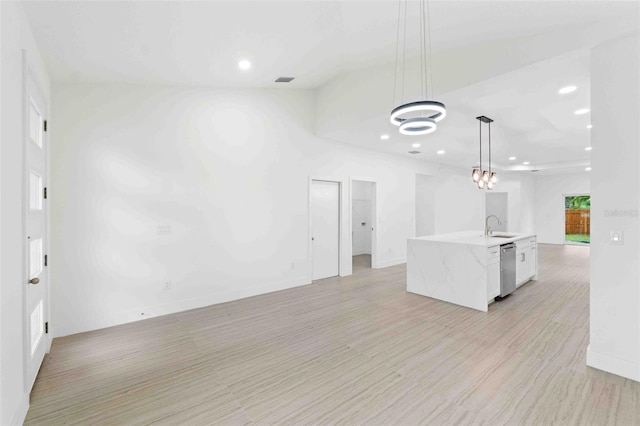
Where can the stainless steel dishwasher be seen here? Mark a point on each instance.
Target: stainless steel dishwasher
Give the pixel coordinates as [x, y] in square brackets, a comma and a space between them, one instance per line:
[507, 270]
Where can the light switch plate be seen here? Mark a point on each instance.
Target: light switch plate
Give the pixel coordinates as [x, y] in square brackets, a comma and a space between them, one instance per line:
[616, 237]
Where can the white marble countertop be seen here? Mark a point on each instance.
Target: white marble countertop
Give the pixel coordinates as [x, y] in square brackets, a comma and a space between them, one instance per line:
[475, 238]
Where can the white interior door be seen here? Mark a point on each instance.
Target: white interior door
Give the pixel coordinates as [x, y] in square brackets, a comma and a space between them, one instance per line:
[496, 203]
[36, 281]
[325, 229]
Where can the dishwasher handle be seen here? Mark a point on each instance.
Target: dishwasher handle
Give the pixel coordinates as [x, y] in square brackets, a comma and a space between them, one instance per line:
[505, 247]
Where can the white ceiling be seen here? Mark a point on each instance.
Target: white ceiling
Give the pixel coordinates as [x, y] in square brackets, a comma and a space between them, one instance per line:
[199, 43]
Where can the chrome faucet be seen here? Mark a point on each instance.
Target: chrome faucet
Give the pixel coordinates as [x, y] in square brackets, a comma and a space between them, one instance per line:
[487, 229]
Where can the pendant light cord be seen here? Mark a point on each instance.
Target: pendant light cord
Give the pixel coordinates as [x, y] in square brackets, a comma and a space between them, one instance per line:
[423, 65]
[430, 60]
[489, 149]
[426, 63]
[480, 166]
[395, 70]
[404, 50]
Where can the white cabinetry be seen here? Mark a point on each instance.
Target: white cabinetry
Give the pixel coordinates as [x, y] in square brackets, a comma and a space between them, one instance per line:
[493, 273]
[526, 260]
[533, 261]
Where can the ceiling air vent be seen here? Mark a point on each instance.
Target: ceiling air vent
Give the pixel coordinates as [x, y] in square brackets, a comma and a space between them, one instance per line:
[284, 79]
[414, 152]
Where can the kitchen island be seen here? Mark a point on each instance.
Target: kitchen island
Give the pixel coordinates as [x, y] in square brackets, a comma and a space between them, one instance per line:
[464, 267]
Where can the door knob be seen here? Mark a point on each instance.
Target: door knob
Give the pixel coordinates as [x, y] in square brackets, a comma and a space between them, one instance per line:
[34, 281]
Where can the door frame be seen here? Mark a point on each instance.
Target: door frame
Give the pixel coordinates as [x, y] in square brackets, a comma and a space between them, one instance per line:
[374, 219]
[29, 77]
[564, 222]
[341, 227]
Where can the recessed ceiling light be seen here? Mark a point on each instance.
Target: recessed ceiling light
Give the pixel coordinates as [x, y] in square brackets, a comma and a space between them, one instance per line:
[581, 111]
[526, 163]
[384, 137]
[567, 89]
[441, 152]
[244, 65]
[589, 126]
[416, 145]
[588, 148]
[512, 158]
[588, 169]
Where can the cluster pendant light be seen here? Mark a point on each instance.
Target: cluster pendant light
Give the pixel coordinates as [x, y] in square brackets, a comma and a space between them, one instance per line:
[416, 117]
[484, 178]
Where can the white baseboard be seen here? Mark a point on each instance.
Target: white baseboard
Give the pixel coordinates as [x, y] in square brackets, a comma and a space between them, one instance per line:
[614, 365]
[21, 412]
[146, 312]
[390, 262]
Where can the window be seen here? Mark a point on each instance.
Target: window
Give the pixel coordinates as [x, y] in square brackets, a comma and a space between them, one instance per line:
[577, 219]
[36, 320]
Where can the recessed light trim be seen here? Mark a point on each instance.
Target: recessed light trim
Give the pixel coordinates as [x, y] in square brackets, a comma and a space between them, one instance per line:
[567, 89]
[512, 158]
[384, 137]
[588, 148]
[582, 111]
[244, 64]
[441, 152]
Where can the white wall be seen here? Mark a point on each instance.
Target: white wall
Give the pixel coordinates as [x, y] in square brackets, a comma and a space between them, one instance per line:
[497, 203]
[459, 204]
[15, 38]
[425, 205]
[615, 203]
[361, 208]
[549, 203]
[227, 170]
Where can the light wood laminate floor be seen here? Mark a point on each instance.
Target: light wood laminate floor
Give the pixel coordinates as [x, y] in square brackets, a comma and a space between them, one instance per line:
[361, 263]
[354, 350]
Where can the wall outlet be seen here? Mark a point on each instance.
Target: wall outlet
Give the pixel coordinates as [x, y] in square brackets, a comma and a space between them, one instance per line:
[167, 285]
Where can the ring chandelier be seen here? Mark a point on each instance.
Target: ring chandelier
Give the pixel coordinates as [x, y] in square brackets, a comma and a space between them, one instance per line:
[418, 117]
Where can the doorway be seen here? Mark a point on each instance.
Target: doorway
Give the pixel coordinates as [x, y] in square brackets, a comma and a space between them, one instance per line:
[325, 229]
[363, 219]
[36, 282]
[577, 219]
[497, 204]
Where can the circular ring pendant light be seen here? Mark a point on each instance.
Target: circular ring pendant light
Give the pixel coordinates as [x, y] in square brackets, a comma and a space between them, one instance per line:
[431, 109]
[418, 126]
[417, 117]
